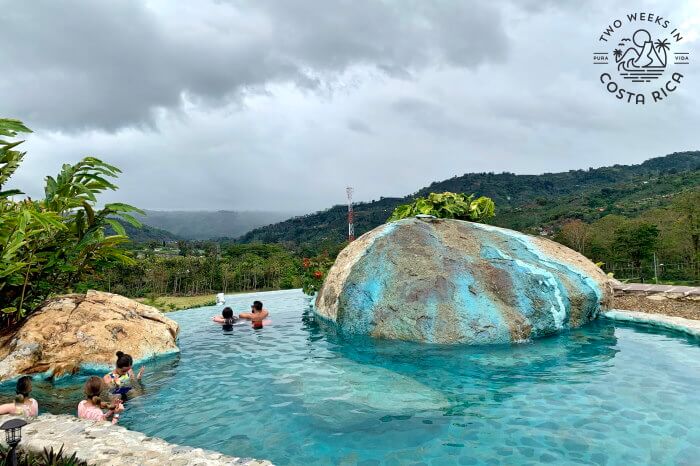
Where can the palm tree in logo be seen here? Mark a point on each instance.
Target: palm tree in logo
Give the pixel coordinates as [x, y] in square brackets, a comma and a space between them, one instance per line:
[617, 53]
[661, 47]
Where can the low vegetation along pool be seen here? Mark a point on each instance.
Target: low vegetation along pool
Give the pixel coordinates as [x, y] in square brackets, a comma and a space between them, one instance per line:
[609, 393]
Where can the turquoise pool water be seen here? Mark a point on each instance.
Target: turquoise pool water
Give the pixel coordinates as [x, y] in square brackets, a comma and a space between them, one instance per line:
[609, 393]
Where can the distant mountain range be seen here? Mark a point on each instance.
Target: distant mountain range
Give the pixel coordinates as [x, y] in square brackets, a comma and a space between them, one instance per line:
[146, 234]
[203, 225]
[531, 203]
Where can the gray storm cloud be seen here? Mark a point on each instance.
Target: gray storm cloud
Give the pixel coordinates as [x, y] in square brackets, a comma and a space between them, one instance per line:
[106, 65]
[279, 105]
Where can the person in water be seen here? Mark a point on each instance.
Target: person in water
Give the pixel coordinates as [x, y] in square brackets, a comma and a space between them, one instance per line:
[92, 407]
[226, 317]
[23, 404]
[123, 376]
[256, 315]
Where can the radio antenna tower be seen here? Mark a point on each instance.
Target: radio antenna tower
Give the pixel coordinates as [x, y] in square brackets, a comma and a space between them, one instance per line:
[351, 216]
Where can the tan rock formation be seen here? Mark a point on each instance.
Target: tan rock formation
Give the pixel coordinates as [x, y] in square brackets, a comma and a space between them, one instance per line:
[74, 331]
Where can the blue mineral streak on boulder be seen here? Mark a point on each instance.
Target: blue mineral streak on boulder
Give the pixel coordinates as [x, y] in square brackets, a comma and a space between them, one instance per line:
[450, 281]
[492, 326]
[594, 285]
[365, 292]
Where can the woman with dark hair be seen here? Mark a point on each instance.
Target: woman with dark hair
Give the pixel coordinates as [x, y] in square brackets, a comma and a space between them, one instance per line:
[226, 317]
[123, 377]
[23, 404]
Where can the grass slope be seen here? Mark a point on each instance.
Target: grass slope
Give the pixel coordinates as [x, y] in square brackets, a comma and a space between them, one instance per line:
[176, 303]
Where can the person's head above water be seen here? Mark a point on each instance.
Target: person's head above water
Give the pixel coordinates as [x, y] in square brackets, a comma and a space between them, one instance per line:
[257, 305]
[124, 362]
[93, 388]
[23, 389]
[227, 313]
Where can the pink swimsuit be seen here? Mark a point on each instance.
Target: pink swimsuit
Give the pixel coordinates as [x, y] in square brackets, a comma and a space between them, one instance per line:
[89, 411]
[29, 410]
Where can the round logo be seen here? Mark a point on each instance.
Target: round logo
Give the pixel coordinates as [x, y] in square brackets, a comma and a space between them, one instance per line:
[641, 57]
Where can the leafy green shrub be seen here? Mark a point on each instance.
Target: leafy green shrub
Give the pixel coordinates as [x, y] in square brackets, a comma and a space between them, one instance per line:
[47, 246]
[314, 271]
[448, 205]
[46, 458]
[49, 458]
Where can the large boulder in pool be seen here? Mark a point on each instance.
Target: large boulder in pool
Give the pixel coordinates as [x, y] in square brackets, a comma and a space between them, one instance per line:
[85, 331]
[450, 281]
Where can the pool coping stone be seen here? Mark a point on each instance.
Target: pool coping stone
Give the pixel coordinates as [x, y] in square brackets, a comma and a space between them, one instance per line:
[680, 324]
[104, 444]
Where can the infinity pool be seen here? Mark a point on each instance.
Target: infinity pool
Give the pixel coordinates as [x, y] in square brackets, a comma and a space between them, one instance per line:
[609, 393]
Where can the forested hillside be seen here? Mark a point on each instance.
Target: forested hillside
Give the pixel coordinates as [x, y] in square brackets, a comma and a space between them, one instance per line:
[146, 234]
[622, 216]
[529, 203]
[642, 221]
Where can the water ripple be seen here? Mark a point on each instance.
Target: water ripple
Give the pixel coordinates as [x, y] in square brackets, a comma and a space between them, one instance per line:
[605, 394]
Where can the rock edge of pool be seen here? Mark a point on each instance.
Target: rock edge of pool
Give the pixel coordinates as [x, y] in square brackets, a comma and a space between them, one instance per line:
[101, 443]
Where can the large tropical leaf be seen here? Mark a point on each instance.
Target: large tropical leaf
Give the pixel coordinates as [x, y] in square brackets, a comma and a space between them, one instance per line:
[10, 192]
[11, 127]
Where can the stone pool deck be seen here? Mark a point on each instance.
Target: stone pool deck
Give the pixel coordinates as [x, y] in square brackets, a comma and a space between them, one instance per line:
[100, 443]
[647, 288]
[674, 301]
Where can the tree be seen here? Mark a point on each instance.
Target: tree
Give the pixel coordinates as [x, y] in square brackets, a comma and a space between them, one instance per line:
[688, 206]
[575, 233]
[636, 242]
[601, 236]
[227, 276]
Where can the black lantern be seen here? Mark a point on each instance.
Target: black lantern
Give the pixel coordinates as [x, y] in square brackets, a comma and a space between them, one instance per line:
[13, 435]
[13, 431]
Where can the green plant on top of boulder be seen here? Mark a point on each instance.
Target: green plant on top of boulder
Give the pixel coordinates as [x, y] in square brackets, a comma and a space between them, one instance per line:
[448, 205]
[49, 245]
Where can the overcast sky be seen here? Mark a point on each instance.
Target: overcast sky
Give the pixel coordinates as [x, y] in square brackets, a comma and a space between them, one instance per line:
[278, 105]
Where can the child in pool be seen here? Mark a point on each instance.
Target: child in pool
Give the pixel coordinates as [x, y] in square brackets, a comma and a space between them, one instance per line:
[92, 406]
[123, 375]
[226, 319]
[23, 404]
